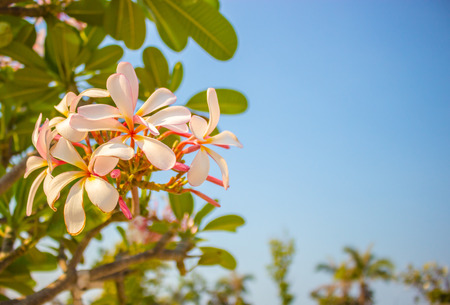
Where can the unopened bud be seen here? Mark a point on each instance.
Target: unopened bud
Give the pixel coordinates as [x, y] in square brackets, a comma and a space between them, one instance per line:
[124, 208]
[180, 167]
[115, 173]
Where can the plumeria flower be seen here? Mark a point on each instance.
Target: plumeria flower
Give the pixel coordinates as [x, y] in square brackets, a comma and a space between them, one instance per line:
[124, 89]
[67, 107]
[101, 193]
[201, 130]
[41, 140]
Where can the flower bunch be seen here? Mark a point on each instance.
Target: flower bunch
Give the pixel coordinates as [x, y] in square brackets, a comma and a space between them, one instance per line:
[110, 151]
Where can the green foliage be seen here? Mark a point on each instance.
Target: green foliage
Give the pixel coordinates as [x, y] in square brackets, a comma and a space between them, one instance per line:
[125, 21]
[215, 256]
[358, 270]
[71, 57]
[181, 204]
[225, 223]
[230, 101]
[431, 281]
[282, 256]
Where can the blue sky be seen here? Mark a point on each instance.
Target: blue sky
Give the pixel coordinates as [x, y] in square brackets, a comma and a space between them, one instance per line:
[346, 140]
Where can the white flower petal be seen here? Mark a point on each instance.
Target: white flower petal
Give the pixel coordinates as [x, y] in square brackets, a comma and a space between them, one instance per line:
[68, 132]
[48, 182]
[74, 215]
[95, 93]
[160, 98]
[41, 144]
[174, 115]
[104, 165]
[33, 190]
[80, 123]
[99, 111]
[198, 126]
[33, 163]
[222, 165]
[214, 111]
[127, 69]
[183, 128]
[59, 182]
[63, 106]
[158, 153]
[138, 119]
[101, 193]
[65, 151]
[106, 157]
[35, 134]
[225, 138]
[120, 89]
[199, 169]
[55, 121]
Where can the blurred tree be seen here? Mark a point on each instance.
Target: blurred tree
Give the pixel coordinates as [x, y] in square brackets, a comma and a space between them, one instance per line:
[358, 270]
[282, 256]
[229, 290]
[432, 282]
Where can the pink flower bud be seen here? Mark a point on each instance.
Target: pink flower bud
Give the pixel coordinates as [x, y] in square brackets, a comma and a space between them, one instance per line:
[180, 167]
[124, 208]
[115, 173]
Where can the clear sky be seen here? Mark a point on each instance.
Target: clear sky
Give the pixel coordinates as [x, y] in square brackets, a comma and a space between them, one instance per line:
[346, 140]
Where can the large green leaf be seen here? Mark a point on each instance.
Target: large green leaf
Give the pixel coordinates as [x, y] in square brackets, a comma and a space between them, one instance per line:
[26, 35]
[62, 47]
[207, 27]
[23, 54]
[22, 31]
[89, 11]
[39, 261]
[207, 208]
[181, 204]
[6, 35]
[99, 80]
[172, 32]
[225, 223]
[104, 58]
[215, 256]
[230, 101]
[157, 68]
[92, 36]
[176, 77]
[14, 93]
[124, 20]
[32, 77]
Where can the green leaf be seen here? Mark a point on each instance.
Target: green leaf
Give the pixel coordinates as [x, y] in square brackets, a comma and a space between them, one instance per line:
[36, 260]
[23, 54]
[207, 208]
[99, 80]
[157, 68]
[213, 3]
[124, 235]
[181, 204]
[6, 35]
[230, 101]
[62, 48]
[92, 36]
[14, 93]
[26, 35]
[159, 227]
[104, 58]
[124, 20]
[225, 223]
[207, 27]
[32, 77]
[89, 11]
[215, 256]
[176, 77]
[169, 28]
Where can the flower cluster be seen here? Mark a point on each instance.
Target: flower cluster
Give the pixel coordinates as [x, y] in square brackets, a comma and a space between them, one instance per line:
[109, 151]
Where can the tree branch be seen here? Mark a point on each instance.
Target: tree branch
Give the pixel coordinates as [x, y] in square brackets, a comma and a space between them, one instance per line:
[20, 11]
[8, 258]
[7, 181]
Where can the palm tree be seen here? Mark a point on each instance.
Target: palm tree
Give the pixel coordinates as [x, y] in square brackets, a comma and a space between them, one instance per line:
[359, 269]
